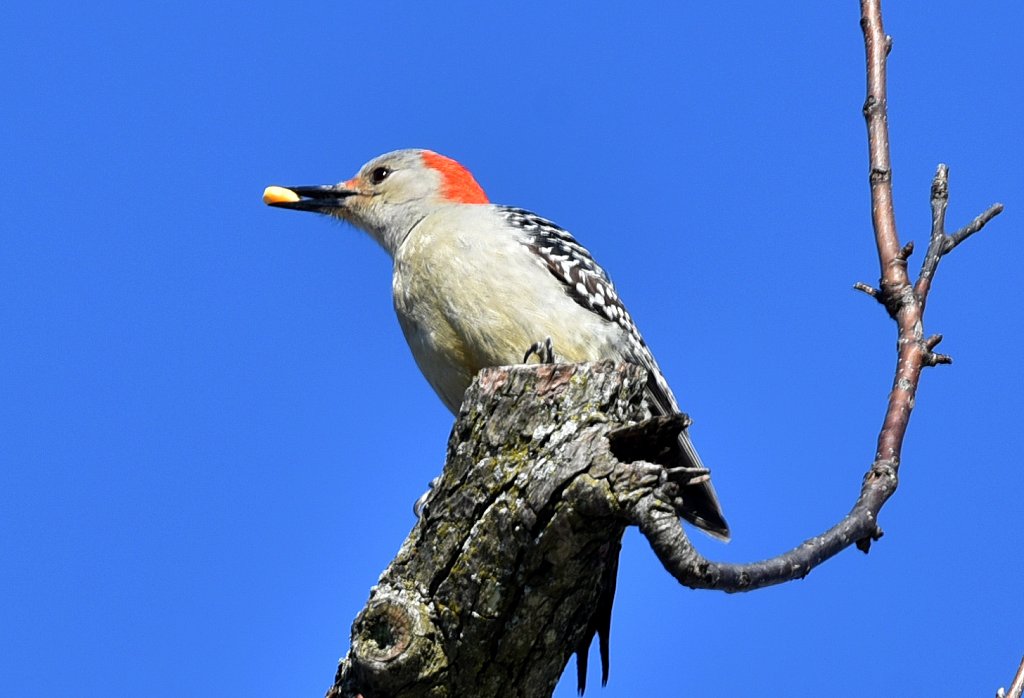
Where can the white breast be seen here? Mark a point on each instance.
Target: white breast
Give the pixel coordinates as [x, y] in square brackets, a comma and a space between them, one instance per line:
[469, 295]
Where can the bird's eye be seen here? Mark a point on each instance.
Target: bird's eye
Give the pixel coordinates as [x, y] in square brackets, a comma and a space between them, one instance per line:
[379, 175]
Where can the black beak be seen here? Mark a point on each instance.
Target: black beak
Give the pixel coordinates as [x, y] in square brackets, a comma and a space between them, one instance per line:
[321, 198]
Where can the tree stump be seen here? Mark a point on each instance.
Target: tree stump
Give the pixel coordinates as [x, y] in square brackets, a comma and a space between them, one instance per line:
[496, 585]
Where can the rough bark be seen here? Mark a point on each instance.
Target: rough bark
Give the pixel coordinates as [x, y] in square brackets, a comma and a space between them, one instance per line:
[495, 585]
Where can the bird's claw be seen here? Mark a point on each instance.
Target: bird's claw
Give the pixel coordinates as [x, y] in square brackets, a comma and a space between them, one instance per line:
[544, 350]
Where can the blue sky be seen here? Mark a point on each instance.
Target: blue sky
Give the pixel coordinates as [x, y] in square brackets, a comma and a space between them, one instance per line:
[200, 470]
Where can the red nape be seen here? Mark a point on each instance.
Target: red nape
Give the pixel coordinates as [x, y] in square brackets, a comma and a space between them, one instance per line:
[459, 185]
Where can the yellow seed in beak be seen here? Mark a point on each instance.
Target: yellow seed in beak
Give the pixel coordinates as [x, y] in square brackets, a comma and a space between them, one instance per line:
[279, 195]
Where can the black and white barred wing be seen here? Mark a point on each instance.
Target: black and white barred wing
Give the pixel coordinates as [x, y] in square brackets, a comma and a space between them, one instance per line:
[589, 285]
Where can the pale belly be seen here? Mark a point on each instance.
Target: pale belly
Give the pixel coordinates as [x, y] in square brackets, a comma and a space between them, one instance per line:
[465, 309]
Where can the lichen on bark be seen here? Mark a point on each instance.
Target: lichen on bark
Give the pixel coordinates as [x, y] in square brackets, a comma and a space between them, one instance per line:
[495, 585]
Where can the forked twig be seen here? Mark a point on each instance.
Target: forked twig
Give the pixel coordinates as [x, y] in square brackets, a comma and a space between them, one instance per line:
[905, 302]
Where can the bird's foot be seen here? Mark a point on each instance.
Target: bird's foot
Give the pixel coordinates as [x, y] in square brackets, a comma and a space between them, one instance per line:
[544, 350]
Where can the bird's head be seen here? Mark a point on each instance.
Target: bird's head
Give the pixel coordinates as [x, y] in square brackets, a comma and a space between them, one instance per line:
[389, 194]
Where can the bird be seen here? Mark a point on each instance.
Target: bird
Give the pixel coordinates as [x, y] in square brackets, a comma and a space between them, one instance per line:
[477, 284]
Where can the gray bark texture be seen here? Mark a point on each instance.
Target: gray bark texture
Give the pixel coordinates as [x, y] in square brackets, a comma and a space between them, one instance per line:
[497, 583]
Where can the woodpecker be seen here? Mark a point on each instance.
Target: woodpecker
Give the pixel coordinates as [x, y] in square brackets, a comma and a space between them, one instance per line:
[477, 284]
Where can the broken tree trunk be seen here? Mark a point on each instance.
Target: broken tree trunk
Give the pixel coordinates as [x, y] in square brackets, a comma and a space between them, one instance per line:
[496, 584]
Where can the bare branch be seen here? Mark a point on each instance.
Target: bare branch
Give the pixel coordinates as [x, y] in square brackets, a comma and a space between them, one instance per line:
[1017, 687]
[657, 514]
[942, 244]
[877, 46]
[865, 288]
[660, 525]
[976, 225]
[895, 288]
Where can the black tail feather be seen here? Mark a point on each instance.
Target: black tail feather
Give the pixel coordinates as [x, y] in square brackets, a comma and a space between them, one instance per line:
[603, 612]
[600, 623]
